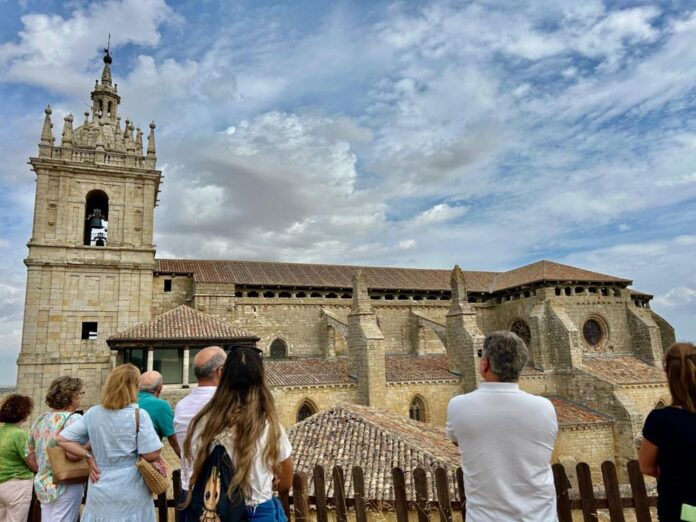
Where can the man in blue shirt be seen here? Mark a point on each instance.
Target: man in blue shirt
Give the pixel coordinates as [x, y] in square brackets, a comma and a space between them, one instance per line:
[149, 389]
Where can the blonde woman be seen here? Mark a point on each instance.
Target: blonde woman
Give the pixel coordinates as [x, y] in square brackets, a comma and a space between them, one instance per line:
[241, 418]
[116, 491]
[59, 502]
[668, 451]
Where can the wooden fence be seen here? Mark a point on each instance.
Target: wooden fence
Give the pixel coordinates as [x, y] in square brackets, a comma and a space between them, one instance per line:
[299, 505]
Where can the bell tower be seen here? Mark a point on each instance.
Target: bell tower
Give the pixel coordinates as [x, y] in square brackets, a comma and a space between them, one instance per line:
[91, 253]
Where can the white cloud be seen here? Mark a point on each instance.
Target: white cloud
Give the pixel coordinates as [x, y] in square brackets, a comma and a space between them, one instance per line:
[439, 213]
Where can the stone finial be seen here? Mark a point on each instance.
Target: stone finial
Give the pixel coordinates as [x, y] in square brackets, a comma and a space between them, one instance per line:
[47, 130]
[361, 298]
[125, 130]
[86, 113]
[139, 141]
[118, 124]
[106, 72]
[460, 302]
[99, 142]
[67, 138]
[151, 140]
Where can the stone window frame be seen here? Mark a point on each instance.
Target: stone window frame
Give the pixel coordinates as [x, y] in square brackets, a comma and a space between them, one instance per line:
[305, 403]
[418, 398]
[604, 327]
[526, 323]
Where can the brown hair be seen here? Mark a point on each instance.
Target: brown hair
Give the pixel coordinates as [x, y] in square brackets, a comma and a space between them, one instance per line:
[15, 408]
[242, 406]
[121, 387]
[680, 365]
[62, 391]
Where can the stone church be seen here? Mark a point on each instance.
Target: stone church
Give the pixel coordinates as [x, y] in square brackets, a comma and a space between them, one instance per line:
[396, 339]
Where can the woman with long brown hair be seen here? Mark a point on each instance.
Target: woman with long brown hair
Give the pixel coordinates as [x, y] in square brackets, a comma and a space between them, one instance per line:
[668, 450]
[241, 421]
[116, 491]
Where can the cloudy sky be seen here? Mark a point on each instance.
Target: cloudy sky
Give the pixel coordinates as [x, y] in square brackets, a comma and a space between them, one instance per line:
[489, 134]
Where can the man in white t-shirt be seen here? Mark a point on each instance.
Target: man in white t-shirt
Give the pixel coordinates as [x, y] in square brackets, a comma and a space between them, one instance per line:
[207, 367]
[505, 438]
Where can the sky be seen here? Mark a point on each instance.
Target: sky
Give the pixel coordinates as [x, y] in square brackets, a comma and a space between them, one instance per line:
[418, 134]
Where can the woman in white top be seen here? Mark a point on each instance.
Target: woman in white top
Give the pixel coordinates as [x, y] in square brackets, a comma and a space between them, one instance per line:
[242, 418]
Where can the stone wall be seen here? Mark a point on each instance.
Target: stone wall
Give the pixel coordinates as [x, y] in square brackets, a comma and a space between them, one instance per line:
[435, 396]
[289, 400]
[181, 293]
[592, 444]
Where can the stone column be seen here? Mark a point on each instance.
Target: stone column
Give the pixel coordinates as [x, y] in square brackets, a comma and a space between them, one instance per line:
[185, 378]
[150, 358]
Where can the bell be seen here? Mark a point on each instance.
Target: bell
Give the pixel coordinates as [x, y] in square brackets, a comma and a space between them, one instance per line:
[100, 239]
[95, 220]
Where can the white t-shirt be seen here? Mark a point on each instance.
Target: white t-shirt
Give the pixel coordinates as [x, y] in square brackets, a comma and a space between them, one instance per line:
[260, 477]
[185, 411]
[505, 438]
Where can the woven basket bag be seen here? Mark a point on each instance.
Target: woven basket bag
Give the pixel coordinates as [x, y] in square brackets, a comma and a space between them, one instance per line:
[156, 474]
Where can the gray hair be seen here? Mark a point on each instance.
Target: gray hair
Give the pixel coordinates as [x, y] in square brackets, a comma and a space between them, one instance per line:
[150, 387]
[207, 370]
[507, 354]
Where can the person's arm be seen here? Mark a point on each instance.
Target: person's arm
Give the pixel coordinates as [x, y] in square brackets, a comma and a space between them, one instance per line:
[152, 456]
[174, 443]
[283, 481]
[31, 462]
[647, 457]
[77, 449]
[20, 444]
[449, 427]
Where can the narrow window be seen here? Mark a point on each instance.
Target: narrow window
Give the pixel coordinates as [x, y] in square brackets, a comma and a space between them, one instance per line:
[96, 218]
[167, 285]
[89, 331]
[417, 409]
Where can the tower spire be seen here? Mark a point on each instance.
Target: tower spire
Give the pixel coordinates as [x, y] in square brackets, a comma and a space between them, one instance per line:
[106, 72]
[105, 98]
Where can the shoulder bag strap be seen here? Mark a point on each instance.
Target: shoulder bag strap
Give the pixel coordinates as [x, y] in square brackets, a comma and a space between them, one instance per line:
[64, 422]
[137, 427]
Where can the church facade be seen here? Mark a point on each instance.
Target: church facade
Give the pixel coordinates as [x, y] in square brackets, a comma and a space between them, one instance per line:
[396, 339]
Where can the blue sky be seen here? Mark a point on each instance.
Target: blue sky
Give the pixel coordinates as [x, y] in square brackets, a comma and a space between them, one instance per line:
[489, 134]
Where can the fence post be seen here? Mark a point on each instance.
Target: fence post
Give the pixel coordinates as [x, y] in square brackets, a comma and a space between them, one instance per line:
[359, 494]
[340, 494]
[299, 496]
[587, 498]
[611, 487]
[400, 502]
[462, 493]
[561, 483]
[420, 483]
[162, 511]
[443, 497]
[176, 486]
[285, 501]
[640, 495]
[320, 493]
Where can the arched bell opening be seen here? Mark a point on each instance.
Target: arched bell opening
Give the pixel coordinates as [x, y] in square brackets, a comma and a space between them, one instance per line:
[96, 218]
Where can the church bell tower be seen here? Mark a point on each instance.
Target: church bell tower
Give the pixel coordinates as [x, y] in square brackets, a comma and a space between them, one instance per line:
[91, 253]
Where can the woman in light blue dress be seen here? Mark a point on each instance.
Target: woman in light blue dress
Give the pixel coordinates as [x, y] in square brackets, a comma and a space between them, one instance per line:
[116, 491]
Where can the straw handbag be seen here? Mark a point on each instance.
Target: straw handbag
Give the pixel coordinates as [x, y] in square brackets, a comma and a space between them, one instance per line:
[155, 473]
[66, 471]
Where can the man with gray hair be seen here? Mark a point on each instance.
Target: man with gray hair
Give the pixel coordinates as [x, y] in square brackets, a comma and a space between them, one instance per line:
[149, 390]
[207, 367]
[505, 438]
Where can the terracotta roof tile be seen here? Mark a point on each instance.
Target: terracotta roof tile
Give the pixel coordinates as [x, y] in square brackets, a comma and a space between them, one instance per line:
[623, 369]
[377, 441]
[266, 273]
[182, 323]
[307, 372]
[571, 414]
[317, 372]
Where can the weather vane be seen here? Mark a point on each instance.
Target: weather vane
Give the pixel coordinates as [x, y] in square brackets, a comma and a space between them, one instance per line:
[107, 55]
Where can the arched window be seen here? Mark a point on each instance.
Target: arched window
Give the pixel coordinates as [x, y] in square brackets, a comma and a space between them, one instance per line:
[278, 349]
[306, 409]
[417, 409]
[96, 218]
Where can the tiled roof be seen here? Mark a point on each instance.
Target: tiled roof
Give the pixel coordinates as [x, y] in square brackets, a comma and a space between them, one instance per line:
[408, 368]
[550, 271]
[181, 324]
[307, 372]
[266, 273]
[623, 369]
[571, 414]
[349, 435]
[317, 372]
